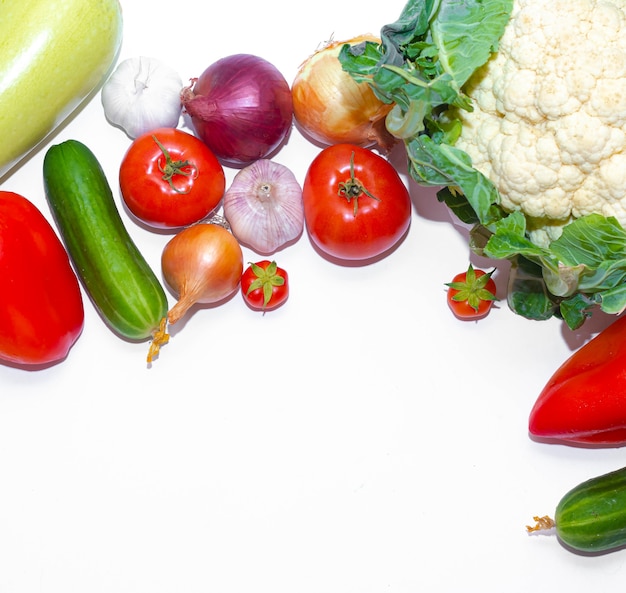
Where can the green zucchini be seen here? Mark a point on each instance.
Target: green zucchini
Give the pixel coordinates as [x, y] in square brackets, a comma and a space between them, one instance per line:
[117, 278]
[592, 516]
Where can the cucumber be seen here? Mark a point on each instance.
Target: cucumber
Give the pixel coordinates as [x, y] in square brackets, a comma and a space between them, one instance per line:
[54, 55]
[592, 516]
[117, 278]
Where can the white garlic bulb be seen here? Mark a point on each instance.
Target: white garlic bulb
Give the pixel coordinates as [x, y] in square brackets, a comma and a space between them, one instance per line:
[142, 94]
[263, 206]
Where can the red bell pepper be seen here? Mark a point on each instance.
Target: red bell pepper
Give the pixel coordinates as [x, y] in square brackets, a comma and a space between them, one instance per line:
[41, 306]
[584, 402]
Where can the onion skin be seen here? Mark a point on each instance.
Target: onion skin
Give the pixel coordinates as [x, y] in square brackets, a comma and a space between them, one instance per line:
[241, 107]
[331, 107]
[202, 263]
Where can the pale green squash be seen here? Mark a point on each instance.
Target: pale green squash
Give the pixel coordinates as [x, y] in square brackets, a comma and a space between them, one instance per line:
[53, 55]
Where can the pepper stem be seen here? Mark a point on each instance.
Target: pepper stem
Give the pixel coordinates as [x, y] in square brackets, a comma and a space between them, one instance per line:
[352, 189]
[173, 168]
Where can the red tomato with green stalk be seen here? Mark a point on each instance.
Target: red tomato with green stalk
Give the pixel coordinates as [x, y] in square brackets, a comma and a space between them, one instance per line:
[171, 179]
[356, 206]
[471, 294]
[264, 285]
[41, 306]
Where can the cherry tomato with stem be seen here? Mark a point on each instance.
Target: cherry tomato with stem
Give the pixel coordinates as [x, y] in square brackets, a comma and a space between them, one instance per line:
[471, 294]
[170, 179]
[356, 206]
[264, 285]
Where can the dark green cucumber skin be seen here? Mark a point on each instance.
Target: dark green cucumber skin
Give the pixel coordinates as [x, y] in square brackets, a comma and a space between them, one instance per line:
[117, 278]
[592, 516]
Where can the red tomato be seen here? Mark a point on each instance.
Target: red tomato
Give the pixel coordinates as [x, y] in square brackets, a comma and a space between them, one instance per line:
[41, 307]
[264, 285]
[356, 207]
[171, 179]
[471, 294]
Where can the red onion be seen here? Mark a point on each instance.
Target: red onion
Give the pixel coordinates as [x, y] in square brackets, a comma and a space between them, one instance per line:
[241, 107]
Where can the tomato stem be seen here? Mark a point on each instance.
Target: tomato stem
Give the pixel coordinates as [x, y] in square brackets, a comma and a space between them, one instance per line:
[473, 289]
[353, 188]
[173, 168]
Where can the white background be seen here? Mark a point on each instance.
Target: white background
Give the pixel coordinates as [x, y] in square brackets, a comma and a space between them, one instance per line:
[360, 439]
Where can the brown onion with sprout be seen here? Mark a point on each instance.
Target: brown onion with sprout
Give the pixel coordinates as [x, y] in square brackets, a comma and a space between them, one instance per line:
[203, 264]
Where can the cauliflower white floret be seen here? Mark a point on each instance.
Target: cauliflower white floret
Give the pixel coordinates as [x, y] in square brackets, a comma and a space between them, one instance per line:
[549, 120]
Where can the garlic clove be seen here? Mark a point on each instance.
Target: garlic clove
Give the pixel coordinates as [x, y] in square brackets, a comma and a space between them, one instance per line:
[142, 94]
[263, 206]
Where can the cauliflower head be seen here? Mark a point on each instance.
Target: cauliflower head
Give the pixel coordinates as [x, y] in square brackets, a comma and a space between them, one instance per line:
[549, 120]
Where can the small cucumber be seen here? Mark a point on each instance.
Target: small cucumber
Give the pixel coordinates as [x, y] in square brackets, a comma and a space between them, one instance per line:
[591, 517]
[119, 281]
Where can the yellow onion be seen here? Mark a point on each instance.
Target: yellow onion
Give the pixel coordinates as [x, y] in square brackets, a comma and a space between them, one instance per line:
[332, 108]
[203, 263]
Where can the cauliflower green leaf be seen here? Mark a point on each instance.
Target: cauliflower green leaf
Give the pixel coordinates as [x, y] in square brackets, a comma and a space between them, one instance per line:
[426, 56]
[467, 34]
[584, 267]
